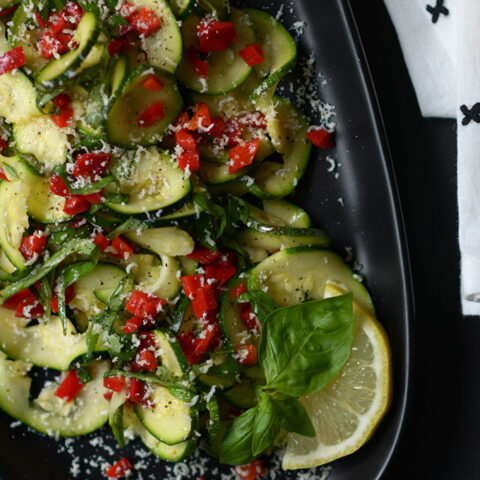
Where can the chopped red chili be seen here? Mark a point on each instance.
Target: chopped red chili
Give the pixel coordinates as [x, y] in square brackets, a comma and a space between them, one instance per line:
[242, 155]
[12, 59]
[320, 138]
[252, 54]
[70, 386]
[151, 115]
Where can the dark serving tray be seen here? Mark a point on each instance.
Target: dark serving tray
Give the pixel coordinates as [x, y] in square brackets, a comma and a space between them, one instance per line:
[352, 194]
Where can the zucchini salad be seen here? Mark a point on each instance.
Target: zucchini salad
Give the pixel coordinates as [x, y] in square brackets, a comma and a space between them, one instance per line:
[151, 264]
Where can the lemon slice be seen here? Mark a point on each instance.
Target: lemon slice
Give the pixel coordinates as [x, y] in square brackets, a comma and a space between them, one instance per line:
[347, 410]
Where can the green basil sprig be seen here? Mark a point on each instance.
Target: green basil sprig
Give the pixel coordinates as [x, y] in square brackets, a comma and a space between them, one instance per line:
[260, 302]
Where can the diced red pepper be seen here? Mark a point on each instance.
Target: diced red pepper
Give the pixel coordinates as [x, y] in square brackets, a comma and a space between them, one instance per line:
[115, 46]
[3, 144]
[122, 248]
[218, 127]
[49, 45]
[78, 222]
[66, 41]
[132, 325]
[232, 133]
[93, 198]
[252, 54]
[201, 118]
[136, 391]
[12, 59]
[252, 471]
[13, 302]
[64, 118]
[120, 469]
[238, 290]
[7, 11]
[151, 115]
[29, 307]
[192, 284]
[69, 296]
[194, 348]
[220, 273]
[205, 255]
[182, 120]
[320, 138]
[144, 21]
[242, 155]
[69, 387]
[33, 245]
[200, 67]
[62, 100]
[75, 204]
[72, 13]
[101, 241]
[246, 354]
[92, 164]
[58, 187]
[215, 36]
[57, 23]
[185, 139]
[116, 384]
[2, 175]
[227, 258]
[145, 360]
[127, 10]
[144, 305]
[204, 302]
[108, 396]
[188, 159]
[249, 318]
[152, 84]
[124, 30]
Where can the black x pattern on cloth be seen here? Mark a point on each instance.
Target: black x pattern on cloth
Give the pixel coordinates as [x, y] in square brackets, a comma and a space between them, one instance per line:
[437, 10]
[471, 114]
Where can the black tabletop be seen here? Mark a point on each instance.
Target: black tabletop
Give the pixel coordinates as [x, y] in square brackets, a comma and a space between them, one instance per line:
[441, 439]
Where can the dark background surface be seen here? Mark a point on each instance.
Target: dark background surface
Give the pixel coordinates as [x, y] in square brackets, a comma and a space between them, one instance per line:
[441, 439]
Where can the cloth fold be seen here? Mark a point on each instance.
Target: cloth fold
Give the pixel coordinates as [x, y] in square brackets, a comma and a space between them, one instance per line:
[440, 40]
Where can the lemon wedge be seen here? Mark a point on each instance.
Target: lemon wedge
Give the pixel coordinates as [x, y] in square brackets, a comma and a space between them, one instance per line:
[347, 410]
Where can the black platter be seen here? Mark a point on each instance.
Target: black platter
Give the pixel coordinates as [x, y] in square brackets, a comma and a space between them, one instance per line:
[358, 207]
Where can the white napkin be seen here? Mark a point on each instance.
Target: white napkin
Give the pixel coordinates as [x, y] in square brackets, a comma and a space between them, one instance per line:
[441, 44]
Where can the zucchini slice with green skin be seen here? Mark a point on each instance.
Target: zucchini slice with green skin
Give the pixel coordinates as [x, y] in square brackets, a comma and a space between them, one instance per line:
[163, 47]
[291, 214]
[121, 125]
[278, 47]
[120, 72]
[171, 420]
[154, 182]
[217, 8]
[65, 68]
[181, 8]
[20, 35]
[171, 241]
[43, 345]
[294, 275]
[172, 354]
[227, 69]
[217, 173]
[288, 130]
[170, 453]
[14, 220]
[4, 4]
[185, 211]
[48, 414]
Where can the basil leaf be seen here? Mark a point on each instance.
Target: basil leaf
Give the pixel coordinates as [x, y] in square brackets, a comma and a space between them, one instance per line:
[229, 368]
[265, 426]
[260, 302]
[129, 225]
[304, 346]
[236, 445]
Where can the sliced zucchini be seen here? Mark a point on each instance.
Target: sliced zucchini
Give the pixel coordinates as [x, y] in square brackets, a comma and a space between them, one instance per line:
[14, 220]
[227, 69]
[181, 8]
[291, 214]
[120, 73]
[122, 124]
[49, 414]
[64, 69]
[217, 173]
[171, 241]
[159, 277]
[295, 275]
[170, 453]
[278, 47]
[170, 420]
[4, 4]
[163, 47]
[185, 211]
[220, 384]
[171, 353]
[216, 8]
[43, 345]
[287, 129]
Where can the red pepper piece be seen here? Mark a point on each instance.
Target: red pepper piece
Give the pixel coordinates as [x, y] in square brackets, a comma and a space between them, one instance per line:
[132, 325]
[182, 120]
[69, 387]
[242, 155]
[252, 54]
[108, 396]
[217, 128]
[151, 115]
[2, 175]
[215, 36]
[204, 302]
[205, 255]
[57, 23]
[320, 138]
[127, 10]
[192, 284]
[246, 355]
[200, 67]
[69, 296]
[3, 144]
[29, 307]
[33, 245]
[249, 318]
[238, 290]
[7, 11]
[72, 13]
[233, 133]
[115, 46]
[252, 471]
[144, 21]
[78, 222]
[75, 204]
[12, 59]
[152, 84]
[116, 384]
[144, 305]
[94, 197]
[120, 469]
[62, 100]
[12, 302]
[136, 391]
[185, 139]
[122, 248]
[64, 118]
[145, 360]
[227, 258]
[92, 164]
[190, 160]
[101, 241]
[201, 118]
[220, 273]
[58, 187]
[194, 348]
